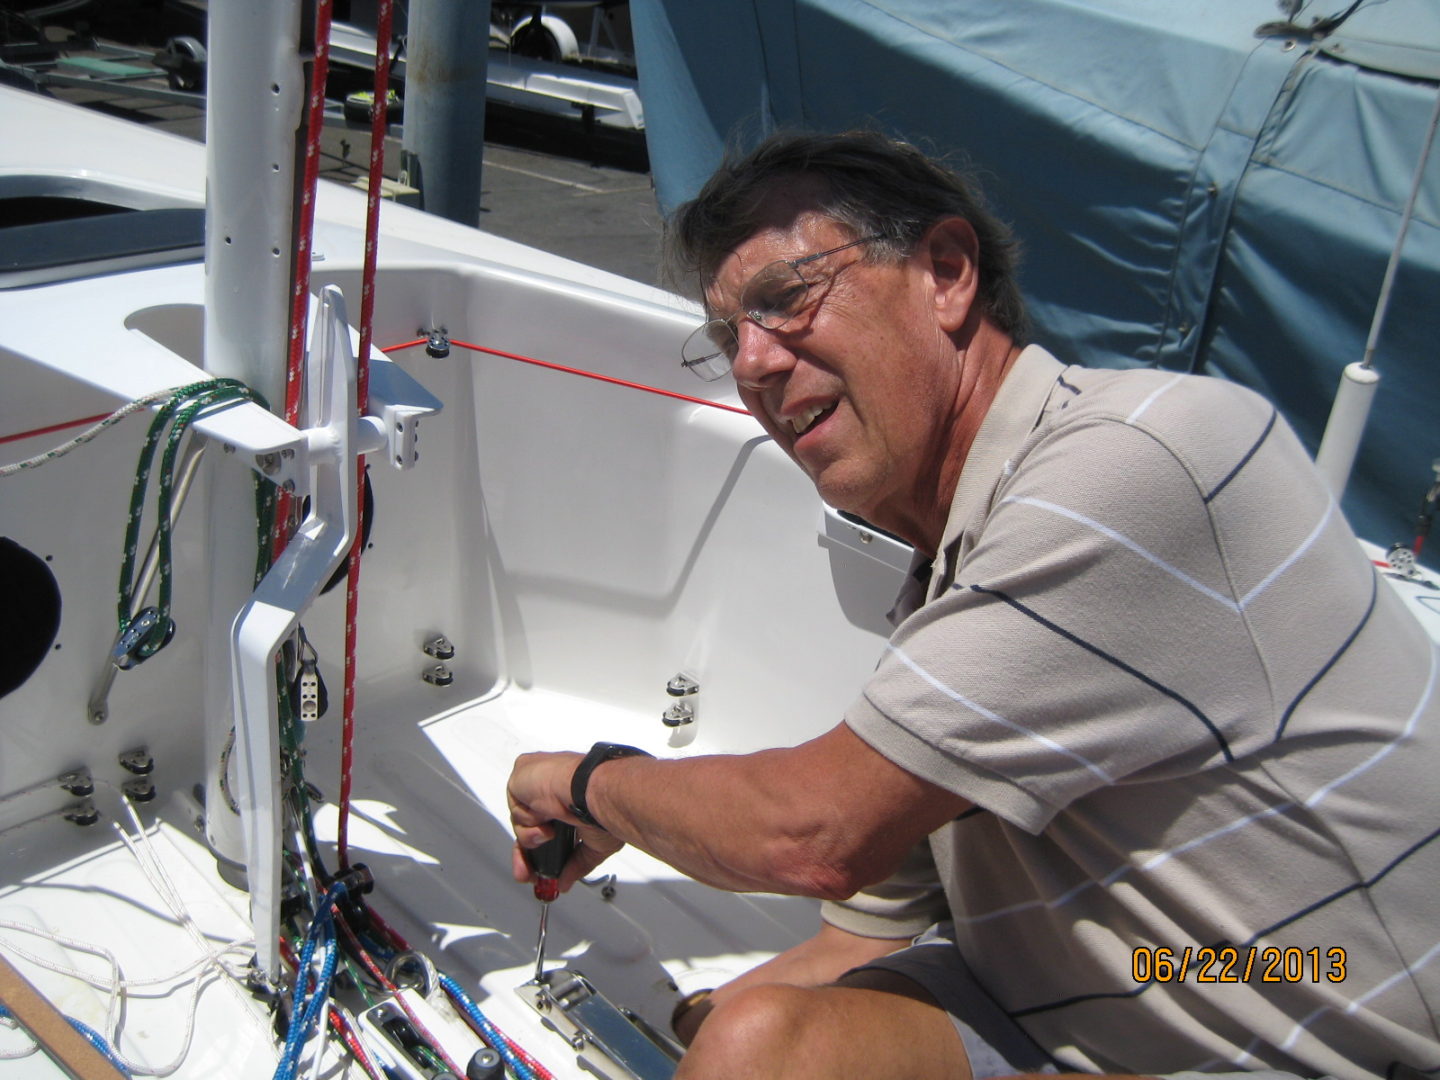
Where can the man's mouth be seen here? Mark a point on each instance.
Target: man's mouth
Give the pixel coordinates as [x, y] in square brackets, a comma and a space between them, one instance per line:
[804, 421]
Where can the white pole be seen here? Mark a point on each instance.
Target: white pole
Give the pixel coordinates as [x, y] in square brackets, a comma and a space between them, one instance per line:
[1346, 425]
[255, 101]
[1358, 382]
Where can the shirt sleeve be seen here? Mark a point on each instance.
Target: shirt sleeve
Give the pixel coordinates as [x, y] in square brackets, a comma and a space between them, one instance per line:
[1090, 637]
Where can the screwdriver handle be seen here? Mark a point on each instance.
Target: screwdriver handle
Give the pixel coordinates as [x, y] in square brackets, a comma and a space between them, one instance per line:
[549, 859]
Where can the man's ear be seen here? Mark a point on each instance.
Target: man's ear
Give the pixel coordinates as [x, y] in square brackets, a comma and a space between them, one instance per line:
[952, 256]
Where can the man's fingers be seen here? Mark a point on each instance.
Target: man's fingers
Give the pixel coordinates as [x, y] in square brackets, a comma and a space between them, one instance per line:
[596, 845]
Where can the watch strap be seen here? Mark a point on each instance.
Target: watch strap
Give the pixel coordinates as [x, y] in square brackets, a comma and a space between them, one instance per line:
[600, 753]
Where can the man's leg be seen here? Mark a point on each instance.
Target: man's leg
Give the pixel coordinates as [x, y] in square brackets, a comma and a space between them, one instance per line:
[871, 1023]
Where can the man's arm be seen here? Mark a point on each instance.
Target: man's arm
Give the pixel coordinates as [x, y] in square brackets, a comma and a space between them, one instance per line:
[822, 819]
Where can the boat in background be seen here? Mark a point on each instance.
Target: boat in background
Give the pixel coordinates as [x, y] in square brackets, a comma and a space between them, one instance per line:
[1208, 187]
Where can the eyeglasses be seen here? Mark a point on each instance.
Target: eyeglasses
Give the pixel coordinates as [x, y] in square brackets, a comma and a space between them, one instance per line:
[774, 295]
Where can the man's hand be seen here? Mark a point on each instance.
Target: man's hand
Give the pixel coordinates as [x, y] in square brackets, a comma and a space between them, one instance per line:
[539, 793]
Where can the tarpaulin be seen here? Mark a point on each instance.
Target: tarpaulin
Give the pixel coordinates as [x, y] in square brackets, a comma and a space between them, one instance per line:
[1213, 187]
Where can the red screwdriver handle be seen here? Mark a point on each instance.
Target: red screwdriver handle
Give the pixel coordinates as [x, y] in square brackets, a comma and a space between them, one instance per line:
[549, 859]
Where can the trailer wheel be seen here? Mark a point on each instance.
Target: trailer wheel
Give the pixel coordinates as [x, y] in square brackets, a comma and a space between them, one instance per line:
[545, 37]
[184, 63]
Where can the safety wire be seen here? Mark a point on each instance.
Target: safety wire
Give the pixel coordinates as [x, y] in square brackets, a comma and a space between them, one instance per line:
[55, 453]
[567, 369]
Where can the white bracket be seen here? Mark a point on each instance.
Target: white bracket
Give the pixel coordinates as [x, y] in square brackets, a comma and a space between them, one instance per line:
[330, 458]
[320, 461]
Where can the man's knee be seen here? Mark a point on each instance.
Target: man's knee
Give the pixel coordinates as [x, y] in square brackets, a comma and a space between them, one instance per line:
[752, 1031]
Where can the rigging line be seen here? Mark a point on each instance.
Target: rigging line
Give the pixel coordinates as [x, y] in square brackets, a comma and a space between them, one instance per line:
[300, 295]
[52, 428]
[1382, 305]
[304, 238]
[89, 1034]
[385, 984]
[551, 365]
[519, 1060]
[353, 946]
[106, 420]
[378, 125]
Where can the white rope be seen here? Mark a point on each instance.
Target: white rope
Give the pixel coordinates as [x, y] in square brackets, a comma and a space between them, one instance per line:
[12, 1024]
[117, 986]
[86, 435]
[215, 960]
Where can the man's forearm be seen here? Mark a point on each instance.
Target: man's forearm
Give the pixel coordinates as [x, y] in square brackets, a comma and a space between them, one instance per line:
[727, 821]
[822, 819]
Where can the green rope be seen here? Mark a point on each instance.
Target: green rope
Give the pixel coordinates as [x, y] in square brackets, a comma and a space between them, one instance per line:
[186, 404]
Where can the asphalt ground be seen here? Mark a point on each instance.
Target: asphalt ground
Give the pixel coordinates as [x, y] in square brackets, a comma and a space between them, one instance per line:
[549, 184]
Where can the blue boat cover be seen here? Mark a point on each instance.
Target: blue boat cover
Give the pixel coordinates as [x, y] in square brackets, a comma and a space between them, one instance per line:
[1209, 187]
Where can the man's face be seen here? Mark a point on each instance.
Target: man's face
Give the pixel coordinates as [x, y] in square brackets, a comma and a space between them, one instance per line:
[863, 387]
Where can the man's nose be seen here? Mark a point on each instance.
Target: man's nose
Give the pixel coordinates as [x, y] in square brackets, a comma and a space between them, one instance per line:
[761, 357]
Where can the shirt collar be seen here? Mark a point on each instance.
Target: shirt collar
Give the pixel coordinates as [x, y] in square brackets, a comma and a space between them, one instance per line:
[1012, 416]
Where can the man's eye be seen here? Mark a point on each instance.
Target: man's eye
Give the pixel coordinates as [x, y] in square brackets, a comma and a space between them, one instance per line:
[781, 298]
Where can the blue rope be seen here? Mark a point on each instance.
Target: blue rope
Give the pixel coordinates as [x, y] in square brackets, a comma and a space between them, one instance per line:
[93, 1037]
[488, 1030]
[305, 1011]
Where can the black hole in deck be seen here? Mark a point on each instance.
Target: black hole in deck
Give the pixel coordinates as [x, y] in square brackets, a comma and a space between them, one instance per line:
[30, 616]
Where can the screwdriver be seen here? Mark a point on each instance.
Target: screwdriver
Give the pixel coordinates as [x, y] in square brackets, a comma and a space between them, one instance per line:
[548, 860]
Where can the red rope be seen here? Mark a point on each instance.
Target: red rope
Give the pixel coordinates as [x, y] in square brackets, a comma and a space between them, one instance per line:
[385, 984]
[551, 365]
[304, 230]
[300, 293]
[378, 108]
[52, 428]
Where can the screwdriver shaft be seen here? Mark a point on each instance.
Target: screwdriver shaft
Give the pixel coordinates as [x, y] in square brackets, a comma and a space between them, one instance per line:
[540, 944]
[548, 862]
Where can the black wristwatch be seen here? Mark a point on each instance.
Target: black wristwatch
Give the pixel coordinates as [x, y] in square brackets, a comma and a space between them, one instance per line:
[600, 752]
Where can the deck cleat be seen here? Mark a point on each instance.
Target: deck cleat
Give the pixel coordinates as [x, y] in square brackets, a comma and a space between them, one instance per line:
[82, 813]
[77, 783]
[138, 761]
[610, 1041]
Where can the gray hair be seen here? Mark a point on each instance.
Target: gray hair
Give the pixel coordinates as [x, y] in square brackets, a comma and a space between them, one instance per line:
[871, 184]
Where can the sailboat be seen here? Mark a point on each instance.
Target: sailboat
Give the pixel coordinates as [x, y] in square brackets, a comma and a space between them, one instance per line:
[554, 518]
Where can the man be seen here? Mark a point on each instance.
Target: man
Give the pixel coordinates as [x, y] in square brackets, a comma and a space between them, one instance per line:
[1149, 728]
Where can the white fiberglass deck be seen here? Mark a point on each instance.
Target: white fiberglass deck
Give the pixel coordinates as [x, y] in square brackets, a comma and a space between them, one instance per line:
[430, 821]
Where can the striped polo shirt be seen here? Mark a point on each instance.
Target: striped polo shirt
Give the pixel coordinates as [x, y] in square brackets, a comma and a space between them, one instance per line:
[1197, 729]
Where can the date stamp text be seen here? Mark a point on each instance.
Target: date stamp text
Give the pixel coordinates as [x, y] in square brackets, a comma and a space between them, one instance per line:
[1229, 964]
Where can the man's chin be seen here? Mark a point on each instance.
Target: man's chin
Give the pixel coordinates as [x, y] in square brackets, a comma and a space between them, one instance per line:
[842, 495]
